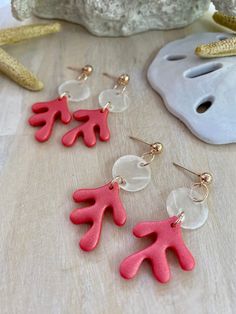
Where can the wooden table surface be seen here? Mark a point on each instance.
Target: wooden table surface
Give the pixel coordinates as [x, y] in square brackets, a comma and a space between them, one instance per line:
[42, 269]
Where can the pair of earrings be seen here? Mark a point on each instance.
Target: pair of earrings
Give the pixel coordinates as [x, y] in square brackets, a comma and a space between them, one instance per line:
[91, 121]
[186, 208]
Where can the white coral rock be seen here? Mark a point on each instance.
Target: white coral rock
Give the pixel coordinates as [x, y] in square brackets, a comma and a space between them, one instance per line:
[227, 6]
[116, 17]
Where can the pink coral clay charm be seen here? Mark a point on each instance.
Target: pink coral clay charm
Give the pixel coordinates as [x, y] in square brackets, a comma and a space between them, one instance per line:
[169, 236]
[46, 113]
[103, 197]
[93, 120]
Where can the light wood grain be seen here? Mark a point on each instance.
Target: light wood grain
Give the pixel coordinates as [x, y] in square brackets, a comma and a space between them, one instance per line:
[42, 270]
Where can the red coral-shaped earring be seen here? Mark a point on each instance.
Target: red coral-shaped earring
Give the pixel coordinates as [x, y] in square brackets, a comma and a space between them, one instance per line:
[95, 121]
[46, 113]
[131, 173]
[103, 197]
[187, 210]
[168, 236]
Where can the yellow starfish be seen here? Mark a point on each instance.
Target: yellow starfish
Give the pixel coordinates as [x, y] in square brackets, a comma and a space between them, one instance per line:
[222, 48]
[9, 65]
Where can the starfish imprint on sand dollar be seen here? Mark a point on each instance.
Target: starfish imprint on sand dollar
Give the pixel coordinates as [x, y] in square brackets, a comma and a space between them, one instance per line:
[13, 68]
[223, 48]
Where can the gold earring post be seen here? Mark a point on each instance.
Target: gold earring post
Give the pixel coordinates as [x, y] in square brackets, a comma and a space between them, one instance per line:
[121, 82]
[109, 76]
[155, 148]
[179, 166]
[204, 180]
[86, 71]
[205, 177]
[139, 140]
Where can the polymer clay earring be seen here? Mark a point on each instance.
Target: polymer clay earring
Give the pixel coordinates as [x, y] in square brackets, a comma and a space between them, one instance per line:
[95, 120]
[46, 113]
[130, 173]
[187, 209]
[77, 89]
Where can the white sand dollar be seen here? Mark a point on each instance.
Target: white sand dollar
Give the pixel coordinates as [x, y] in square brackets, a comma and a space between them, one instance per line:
[78, 90]
[195, 214]
[131, 169]
[200, 92]
[119, 101]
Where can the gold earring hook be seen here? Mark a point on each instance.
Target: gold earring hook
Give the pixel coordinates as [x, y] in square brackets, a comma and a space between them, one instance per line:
[86, 71]
[205, 179]
[155, 149]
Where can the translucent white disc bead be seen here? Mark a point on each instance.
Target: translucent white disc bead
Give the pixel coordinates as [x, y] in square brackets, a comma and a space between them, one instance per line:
[78, 90]
[131, 169]
[119, 101]
[195, 214]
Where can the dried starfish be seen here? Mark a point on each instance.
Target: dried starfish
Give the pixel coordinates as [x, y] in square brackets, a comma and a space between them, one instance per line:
[222, 48]
[9, 65]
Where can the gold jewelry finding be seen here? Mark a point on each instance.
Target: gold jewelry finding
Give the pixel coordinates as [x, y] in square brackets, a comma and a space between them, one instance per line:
[205, 179]
[155, 149]
[107, 106]
[180, 219]
[119, 180]
[66, 93]
[85, 72]
[122, 81]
